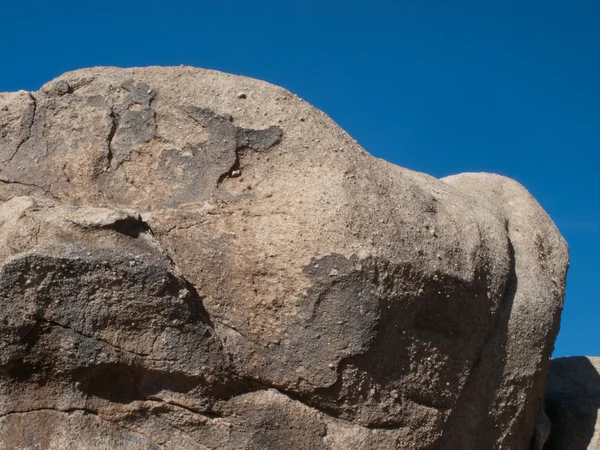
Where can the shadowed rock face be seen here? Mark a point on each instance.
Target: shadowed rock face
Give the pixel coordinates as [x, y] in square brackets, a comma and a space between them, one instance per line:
[196, 260]
[572, 403]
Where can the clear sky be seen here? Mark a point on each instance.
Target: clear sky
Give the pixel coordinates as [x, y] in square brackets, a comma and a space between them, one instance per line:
[511, 87]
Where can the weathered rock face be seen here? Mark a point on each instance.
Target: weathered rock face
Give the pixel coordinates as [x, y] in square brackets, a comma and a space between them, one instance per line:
[573, 402]
[198, 260]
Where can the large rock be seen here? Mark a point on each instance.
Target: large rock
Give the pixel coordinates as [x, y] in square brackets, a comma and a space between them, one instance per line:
[573, 403]
[198, 260]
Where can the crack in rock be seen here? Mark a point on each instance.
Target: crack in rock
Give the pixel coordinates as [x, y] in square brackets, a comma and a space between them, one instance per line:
[133, 122]
[26, 126]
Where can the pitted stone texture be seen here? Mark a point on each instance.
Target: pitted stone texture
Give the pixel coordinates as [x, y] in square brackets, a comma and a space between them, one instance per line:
[246, 275]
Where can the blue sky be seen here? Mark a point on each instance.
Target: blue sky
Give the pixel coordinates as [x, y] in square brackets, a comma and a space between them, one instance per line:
[511, 87]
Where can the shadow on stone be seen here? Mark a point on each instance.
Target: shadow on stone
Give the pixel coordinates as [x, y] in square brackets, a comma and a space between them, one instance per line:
[124, 383]
[572, 402]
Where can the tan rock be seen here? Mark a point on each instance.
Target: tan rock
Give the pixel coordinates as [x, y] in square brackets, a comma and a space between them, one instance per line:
[206, 269]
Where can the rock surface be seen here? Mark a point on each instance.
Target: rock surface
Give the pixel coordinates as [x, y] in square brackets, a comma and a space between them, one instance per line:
[197, 260]
[573, 402]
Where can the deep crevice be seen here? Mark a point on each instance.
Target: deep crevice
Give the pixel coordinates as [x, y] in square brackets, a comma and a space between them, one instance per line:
[129, 383]
[111, 134]
[235, 167]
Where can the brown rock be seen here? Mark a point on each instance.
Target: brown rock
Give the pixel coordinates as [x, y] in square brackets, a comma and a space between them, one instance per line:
[182, 270]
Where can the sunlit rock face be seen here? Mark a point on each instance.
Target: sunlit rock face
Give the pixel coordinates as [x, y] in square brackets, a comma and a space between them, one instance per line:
[192, 259]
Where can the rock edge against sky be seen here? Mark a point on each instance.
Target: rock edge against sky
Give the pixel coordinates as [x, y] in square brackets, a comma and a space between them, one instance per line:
[197, 260]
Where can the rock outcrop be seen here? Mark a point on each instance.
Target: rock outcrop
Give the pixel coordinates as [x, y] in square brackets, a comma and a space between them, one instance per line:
[573, 402]
[196, 260]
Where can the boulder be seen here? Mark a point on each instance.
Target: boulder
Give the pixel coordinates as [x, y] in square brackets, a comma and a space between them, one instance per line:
[191, 259]
[572, 403]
